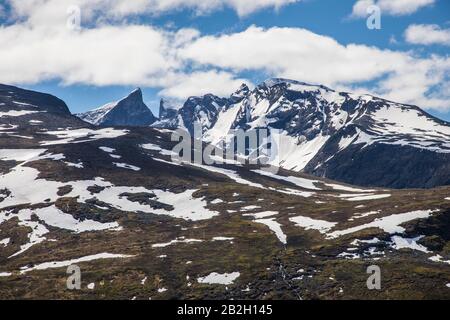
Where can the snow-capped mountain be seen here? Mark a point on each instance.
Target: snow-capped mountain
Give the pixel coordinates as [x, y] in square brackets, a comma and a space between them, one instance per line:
[129, 111]
[168, 116]
[141, 225]
[359, 139]
[203, 110]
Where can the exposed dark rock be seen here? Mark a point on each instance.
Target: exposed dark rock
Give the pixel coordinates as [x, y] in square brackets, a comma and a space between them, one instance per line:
[130, 111]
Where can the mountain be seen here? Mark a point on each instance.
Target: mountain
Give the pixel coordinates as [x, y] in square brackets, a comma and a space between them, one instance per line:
[16, 98]
[27, 110]
[358, 139]
[203, 110]
[168, 116]
[141, 225]
[130, 111]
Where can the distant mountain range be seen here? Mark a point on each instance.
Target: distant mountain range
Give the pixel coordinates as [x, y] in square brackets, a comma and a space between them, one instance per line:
[359, 139]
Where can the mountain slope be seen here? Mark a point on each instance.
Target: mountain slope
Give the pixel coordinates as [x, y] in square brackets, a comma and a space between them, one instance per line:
[130, 111]
[203, 110]
[11, 97]
[168, 116]
[23, 111]
[142, 225]
[358, 139]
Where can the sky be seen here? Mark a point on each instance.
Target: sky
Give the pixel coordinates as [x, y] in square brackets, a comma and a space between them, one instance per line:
[91, 52]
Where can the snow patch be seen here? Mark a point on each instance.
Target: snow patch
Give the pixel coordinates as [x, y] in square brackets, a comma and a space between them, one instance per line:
[390, 224]
[66, 263]
[222, 239]
[275, 227]
[83, 135]
[346, 188]
[5, 242]
[408, 243]
[20, 154]
[14, 113]
[218, 278]
[313, 224]
[126, 166]
[299, 182]
[261, 215]
[5, 274]
[364, 197]
[176, 241]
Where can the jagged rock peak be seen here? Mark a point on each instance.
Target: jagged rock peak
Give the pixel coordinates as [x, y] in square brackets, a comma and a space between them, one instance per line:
[129, 111]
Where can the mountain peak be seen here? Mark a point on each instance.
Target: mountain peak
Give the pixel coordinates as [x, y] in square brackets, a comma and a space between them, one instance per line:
[327, 132]
[243, 88]
[167, 109]
[295, 85]
[241, 93]
[129, 111]
[135, 93]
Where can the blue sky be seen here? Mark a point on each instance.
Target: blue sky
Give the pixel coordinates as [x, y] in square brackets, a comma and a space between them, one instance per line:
[208, 58]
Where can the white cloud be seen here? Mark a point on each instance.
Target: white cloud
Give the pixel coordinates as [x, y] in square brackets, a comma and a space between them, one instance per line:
[107, 55]
[55, 11]
[185, 36]
[182, 63]
[424, 84]
[427, 34]
[202, 82]
[101, 56]
[391, 7]
[295, 53]
[301, 54]
[242, 7]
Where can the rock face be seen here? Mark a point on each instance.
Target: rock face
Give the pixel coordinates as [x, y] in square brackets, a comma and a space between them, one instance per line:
[203, 110]
[168, 116]
[130, 111]
[358, 139]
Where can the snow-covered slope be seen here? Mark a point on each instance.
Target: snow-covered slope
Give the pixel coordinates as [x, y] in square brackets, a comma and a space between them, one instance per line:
[130, 111]
[202, 110]
[329, 133]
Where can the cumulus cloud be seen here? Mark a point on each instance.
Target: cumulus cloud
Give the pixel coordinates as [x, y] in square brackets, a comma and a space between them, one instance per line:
[202, 82]
[391, 7]
[101, 56]
[242, 7]
[184, 62]
[427, 34]
[108, 55]
[301, 54]
[53, 11]
[424, 84]
[293, 52]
